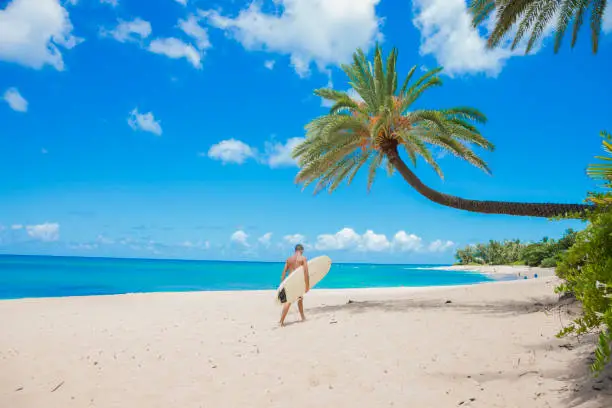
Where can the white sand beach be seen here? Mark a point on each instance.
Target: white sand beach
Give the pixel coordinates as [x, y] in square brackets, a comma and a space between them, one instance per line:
[503, 271]
[487, 345]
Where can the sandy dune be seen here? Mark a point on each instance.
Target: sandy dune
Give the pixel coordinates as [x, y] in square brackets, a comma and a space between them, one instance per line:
[493, 345]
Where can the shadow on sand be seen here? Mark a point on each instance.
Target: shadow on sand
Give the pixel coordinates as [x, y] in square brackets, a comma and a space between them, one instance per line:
[581, 386]
[510, 308]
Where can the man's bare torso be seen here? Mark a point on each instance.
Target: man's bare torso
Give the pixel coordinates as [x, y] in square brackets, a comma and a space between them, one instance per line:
[294, 262]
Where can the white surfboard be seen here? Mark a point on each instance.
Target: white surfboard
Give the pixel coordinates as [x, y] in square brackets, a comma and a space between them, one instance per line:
[294, 286]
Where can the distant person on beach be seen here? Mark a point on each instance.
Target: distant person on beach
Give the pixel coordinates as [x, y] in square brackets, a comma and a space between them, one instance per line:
[291, 264]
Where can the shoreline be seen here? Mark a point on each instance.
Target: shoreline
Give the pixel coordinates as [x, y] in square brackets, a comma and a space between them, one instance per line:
[495, 278]
[373, 289]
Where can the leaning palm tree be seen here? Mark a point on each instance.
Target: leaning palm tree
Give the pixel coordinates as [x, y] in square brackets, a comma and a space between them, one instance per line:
[533, 17]
[370, 129]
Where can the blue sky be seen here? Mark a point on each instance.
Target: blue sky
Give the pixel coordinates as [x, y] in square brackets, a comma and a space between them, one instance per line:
[163, 129]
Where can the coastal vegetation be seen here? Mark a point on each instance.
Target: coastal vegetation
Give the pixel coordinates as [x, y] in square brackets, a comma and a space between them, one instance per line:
[533, 17]
[545, 253]
[378, 123]
[586, 268]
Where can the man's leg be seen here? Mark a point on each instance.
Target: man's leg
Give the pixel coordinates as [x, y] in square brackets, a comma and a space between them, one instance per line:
[301, 307]
[284, 313]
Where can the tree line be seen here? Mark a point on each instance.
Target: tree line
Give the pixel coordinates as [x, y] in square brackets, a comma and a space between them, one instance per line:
[545, 253]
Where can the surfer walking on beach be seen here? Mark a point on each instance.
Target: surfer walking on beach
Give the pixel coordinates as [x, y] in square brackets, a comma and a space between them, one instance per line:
[291, 264]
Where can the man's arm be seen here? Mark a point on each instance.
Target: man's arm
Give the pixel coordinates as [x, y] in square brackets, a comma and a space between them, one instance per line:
[306, 276]
[284, 271]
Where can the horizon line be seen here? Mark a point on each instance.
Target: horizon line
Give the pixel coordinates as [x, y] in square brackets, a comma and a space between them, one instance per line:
[196, 260]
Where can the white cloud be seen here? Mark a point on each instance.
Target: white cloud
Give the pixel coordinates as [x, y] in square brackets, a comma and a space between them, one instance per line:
[346, 238]
[370, 241]
[129, 31]
[83, 246]
[447, 34]
[240, 237]
[174, 48]
[407, 242]
[138, 29]
[45, 232]
[104, 240]
[321, 31]
[265, 239]
[279, 154]
[231, 151]
[606, 25]
[15, 100]
[294, 239]
[193, 29]
[16, 226]
[440, 246]
[33, 31]
[269, 64]
[183, 2]
[144, 121]
[195, 245]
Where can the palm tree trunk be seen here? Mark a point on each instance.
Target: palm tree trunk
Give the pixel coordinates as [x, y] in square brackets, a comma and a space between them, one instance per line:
[546, 210]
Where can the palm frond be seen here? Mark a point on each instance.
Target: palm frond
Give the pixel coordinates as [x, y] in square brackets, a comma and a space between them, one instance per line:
[566, 13]
[374, 165]
[466, 112]
[598, 9]
[481, 10]
[547, 12]
[407, 80]
[578, 20]
[508, 12]
[459, 150]
[532, 17]
[418, 146]
[603, 171]
[529, 19]
[428, 80]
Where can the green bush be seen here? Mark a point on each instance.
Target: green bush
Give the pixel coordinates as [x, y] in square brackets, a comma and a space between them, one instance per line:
[587, 270]
[587, 266]
[549, 262]
[534, 254]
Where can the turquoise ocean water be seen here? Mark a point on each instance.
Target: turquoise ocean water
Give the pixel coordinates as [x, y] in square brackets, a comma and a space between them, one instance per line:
[46, 276]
